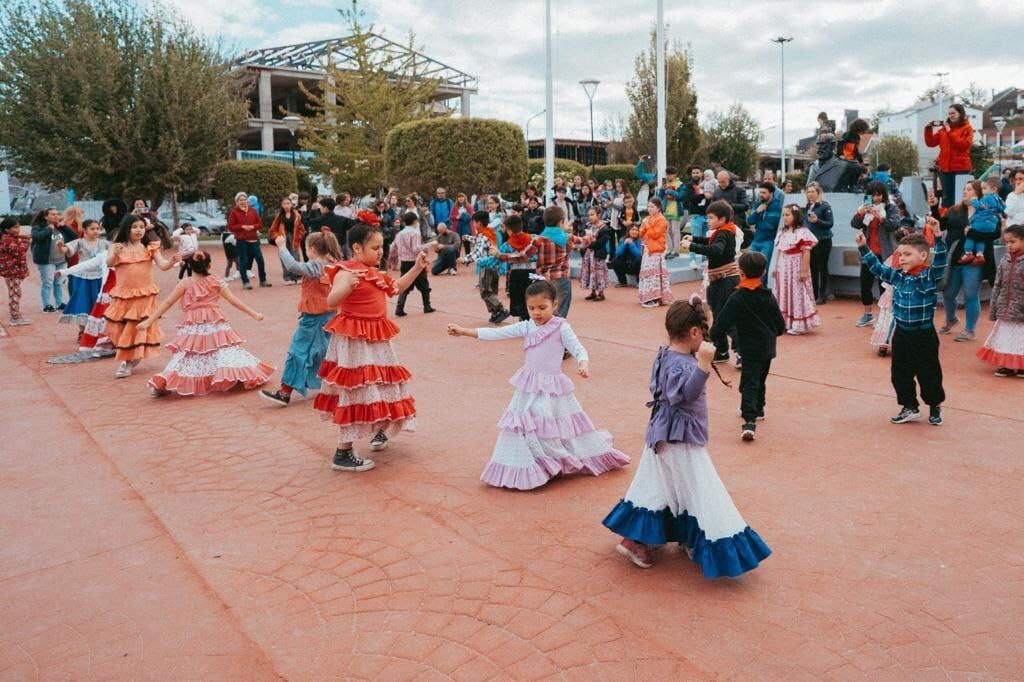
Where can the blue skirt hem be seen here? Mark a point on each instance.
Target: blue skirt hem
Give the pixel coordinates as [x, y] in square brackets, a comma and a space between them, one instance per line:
[723, 558]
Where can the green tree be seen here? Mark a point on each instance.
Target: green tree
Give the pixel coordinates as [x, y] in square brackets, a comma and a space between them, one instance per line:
[981, 158]
[683, 131]
[731, 139]
[359, 103]
[112, 100]
[900, 153]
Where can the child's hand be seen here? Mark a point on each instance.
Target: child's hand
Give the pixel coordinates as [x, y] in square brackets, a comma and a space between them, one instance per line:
[258, 317]
[804, 275]
[279, 241]
[860, 239]
[455, 330]
[421, 260]
[706, 352]
[967, 229]
[583, 368]
[118, 247]
[145, 324]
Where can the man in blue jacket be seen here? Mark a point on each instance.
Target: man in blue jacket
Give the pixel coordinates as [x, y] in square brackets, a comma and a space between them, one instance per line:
[764, 220]
[441, 208]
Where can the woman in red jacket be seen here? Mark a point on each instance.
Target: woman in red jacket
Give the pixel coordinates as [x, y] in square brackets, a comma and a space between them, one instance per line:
[245, 223]
[954, 138]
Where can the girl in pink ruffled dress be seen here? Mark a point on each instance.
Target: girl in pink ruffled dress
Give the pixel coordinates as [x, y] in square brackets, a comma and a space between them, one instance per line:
[544, 431]
[208, 354]
[793, 288]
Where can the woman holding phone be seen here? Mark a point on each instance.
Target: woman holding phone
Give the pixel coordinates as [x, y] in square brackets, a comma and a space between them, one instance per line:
[954, 138]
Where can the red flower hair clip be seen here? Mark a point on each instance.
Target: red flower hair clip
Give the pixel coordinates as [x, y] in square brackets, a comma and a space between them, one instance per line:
[368, 217]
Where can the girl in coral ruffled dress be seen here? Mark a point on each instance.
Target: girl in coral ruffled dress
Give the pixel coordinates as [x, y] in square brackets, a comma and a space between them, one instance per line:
[208, 354]
[364, 389]
[544, 431]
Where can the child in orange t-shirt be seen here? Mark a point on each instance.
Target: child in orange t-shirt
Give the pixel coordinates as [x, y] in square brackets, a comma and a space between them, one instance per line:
[654, 286]
[364, 389]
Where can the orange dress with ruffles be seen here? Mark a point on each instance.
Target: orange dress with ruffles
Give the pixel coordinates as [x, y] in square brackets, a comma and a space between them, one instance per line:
[364, 389]
[208, 354]
[133, 300]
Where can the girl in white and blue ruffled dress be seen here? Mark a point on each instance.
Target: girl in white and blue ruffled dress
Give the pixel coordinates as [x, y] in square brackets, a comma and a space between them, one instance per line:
[676, 494]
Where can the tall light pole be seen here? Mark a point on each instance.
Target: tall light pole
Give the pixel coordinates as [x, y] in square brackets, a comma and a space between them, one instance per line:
[549, 96]
[590, 87]
[1000, 124]
[292, 123]
[782, 40]
[528, 129]
[940, 75]
[659, 37]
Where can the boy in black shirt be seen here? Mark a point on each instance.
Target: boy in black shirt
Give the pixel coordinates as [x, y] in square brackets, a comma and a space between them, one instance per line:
[755, 314]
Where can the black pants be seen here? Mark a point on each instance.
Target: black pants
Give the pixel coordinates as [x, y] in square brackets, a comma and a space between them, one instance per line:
[915, 355]
[718, 293]
[867, 285]
[247, 253]
[421, 282]
[819, 267]
[752, 387]
[626, 266]
[518, 280]
[186, 268]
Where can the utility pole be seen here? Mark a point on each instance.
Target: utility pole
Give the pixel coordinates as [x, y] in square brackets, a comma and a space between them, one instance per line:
[590, 87]
[659, 37]
[549, 94]
[782, 40]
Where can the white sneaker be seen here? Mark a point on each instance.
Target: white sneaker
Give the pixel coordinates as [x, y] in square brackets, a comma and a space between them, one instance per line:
[650, 304]
[124, 370]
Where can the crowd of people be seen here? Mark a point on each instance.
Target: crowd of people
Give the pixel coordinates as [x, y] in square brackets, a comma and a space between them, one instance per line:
[340, 255]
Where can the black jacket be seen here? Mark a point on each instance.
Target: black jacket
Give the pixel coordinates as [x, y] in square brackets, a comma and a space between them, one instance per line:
[693, 198]
[736, 197]
[823, 228]
[721, 250]
[602, 245]
[757, 319]
[41, 240]
[337, 224]
[533, 221]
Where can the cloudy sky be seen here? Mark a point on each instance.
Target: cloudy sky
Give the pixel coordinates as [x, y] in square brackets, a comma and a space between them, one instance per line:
[859, 55]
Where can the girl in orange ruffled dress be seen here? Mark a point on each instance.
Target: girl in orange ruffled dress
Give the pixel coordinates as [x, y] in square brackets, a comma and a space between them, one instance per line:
[208, 354]
[364, 389]
[134, 296]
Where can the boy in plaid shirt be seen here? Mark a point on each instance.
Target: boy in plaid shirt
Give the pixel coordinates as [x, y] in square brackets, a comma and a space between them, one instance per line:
[915, 344]
[551, 248]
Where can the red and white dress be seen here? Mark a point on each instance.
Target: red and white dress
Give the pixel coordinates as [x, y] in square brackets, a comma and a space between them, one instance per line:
[364, 389]
[796, 297]
[208, 354]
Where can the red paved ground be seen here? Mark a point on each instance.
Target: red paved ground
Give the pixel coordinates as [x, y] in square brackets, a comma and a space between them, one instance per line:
[208, 538]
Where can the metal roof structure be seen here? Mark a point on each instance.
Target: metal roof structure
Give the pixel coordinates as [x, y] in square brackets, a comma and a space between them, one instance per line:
[312, 58]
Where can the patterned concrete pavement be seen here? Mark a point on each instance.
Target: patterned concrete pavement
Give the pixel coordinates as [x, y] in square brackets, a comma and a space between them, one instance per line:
[208, 537]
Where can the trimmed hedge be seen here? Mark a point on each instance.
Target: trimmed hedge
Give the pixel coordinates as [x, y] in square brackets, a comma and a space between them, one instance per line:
[268, 180]
[564, 167]
[465, 154]
[305, 182]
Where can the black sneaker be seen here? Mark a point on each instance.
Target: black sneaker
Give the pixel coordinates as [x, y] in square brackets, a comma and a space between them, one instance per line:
[720, 358]
[429, 309]
[935, 415]
[748, 431]
[906, 415]
[1005, 372]
[49, 309]
[346, 460]
[265, 285]
[276, 397]
[501, 317]
[61, 307]
[400, 313]
[379, 442]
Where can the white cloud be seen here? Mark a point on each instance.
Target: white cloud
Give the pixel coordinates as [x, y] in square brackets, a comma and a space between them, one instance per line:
[863, 55]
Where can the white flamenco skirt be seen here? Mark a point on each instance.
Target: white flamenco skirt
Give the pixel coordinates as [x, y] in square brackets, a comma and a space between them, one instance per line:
[1005, 346]
[677, 496]
[545, 433]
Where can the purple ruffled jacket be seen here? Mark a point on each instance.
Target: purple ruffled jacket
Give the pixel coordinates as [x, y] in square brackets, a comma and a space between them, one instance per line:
[679, 409]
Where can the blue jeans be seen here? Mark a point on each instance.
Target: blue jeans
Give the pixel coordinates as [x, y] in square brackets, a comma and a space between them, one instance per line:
[564, 289]
[51, 287]
[766, 248]
[968, 278]
[247, 253]
[698, 228]
[447, 259]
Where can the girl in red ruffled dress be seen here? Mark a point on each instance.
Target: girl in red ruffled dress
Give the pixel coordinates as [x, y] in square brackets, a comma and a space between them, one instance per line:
[208, 354]
[364, 389]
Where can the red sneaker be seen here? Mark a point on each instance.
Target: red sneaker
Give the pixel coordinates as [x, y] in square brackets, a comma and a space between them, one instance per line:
[966, 259]
[979, 259]
[635, 552]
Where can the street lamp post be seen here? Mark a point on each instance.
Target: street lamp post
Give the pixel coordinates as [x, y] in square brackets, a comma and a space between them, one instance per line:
[528, 129]
[1000, 124]
[782, 40]
[292, 123]
[590, 87]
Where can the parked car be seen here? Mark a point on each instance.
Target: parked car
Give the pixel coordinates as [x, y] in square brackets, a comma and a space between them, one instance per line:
[204, 222]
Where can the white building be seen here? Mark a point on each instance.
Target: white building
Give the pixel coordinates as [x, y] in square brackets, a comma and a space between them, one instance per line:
[910, 123]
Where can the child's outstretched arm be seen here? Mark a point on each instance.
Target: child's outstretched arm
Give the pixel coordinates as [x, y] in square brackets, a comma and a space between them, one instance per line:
[511, 331]
[456, 330]
[576, 349]
[164, 306]
[162, 262]
[406, 280]
[236, 302]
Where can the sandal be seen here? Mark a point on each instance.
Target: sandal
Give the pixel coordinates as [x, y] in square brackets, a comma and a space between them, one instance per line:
[965, 335]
